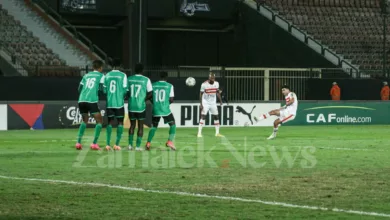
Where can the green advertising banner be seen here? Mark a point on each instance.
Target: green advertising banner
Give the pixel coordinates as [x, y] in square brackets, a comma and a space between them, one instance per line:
[342, 113]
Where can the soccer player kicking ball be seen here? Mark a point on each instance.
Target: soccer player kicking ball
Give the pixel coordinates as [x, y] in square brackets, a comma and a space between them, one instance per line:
[139, 90]
[115, 87]
[88, 102]
[285, 114]
[162, 97]
[209, 91]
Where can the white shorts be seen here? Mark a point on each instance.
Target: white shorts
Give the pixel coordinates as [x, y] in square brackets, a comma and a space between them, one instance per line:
[212, 108]
[286, 116]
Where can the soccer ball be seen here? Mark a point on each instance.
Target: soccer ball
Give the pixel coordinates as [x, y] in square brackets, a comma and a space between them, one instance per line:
[190, 81]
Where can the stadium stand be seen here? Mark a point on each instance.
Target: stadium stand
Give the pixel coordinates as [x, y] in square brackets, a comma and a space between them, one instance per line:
[38, 42]
[23, 45]
[35, 57]
[352, 28]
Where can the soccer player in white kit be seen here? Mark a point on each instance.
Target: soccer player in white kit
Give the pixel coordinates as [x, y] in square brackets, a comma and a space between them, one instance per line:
[286, 113]
[209, 91]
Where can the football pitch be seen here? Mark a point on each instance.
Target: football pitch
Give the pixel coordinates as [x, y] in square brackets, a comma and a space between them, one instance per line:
[308, 172]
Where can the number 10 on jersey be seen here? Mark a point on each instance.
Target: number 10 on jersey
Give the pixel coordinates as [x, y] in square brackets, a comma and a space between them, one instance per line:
[160, 95]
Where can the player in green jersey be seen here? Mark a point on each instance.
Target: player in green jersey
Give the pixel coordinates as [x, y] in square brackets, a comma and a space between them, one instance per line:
[115, 87]
[88, 102]
[139, 91]
[162, 97]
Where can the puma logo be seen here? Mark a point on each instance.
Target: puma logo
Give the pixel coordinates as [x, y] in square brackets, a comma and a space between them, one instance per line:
[239, 109]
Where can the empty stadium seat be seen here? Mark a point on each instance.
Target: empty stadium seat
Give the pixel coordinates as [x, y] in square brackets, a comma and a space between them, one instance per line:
[353, 28]
[27, 48]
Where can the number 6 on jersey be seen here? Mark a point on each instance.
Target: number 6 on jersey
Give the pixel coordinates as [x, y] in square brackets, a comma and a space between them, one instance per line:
[112, 86]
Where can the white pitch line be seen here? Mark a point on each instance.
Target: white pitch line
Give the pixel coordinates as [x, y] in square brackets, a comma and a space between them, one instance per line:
[351, 149]
[282, 204]
[37, 152]
[344, 148]
[41, 141]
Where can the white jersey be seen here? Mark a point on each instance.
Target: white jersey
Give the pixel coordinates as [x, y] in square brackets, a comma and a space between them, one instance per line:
[209, 93]
[292, 109]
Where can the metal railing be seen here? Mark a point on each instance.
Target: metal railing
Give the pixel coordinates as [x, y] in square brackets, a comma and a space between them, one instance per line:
[325, 51]
[73, 31]
[239, 84]
[187, 71]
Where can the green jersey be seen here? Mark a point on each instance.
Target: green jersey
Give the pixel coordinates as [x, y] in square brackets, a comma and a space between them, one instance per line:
[162, 91]
[138, 87]
[90, 83]
[115, 86]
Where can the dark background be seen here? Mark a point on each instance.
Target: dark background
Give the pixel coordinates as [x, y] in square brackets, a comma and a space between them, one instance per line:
[52, 89]
[66, 89]
[351, 89]
[231, 34]
[101, 7]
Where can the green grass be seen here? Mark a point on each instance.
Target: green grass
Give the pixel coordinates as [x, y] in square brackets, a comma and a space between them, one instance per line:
[345, 167]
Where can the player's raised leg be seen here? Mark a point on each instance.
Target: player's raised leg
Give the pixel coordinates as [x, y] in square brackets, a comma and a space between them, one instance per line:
[267, 115]
[262, 117]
